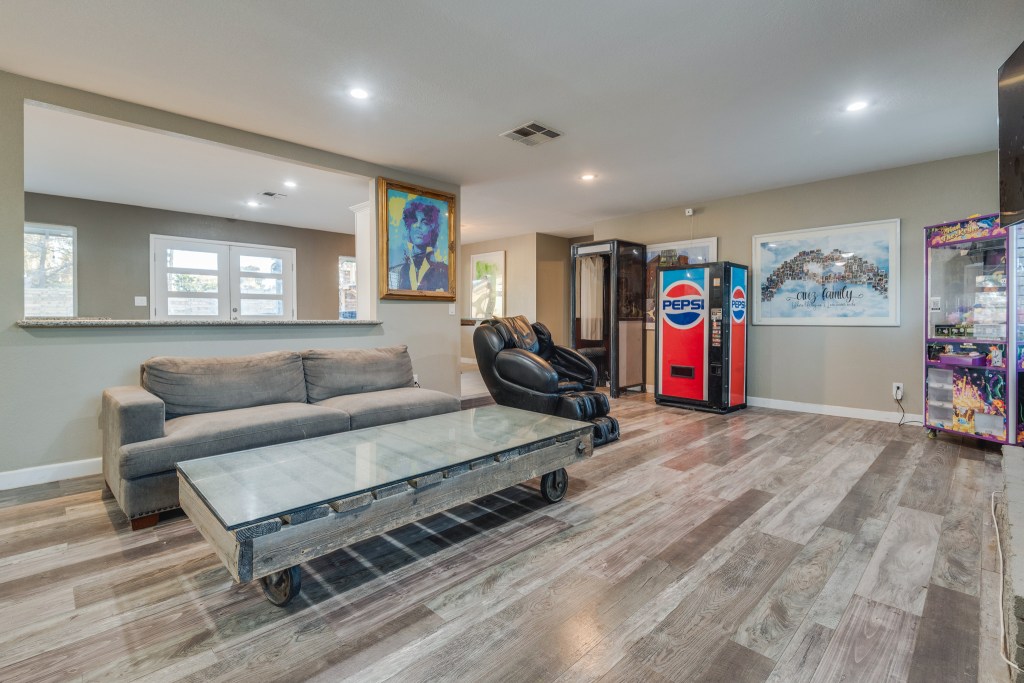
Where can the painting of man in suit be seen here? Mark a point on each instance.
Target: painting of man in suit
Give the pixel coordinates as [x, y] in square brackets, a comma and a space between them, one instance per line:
[419, 233]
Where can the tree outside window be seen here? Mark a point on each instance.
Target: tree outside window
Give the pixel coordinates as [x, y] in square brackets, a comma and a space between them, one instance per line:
[49, 271]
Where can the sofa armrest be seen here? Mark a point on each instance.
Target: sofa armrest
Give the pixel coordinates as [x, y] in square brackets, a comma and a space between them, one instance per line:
[130, 415]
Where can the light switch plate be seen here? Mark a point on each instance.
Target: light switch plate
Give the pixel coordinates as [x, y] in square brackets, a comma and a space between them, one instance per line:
[141, 301]
[451, 309]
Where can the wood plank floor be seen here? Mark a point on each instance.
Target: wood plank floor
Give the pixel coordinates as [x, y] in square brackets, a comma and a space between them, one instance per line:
[758, 546]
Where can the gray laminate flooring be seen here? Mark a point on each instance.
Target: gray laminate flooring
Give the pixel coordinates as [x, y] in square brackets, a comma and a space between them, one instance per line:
[758, 546]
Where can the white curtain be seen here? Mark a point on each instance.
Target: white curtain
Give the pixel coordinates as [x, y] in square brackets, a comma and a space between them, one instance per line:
[591, 269]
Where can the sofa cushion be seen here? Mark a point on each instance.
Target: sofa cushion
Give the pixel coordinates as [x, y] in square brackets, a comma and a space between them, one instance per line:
[190, 386]
[197, 436]
[339, 372]
[393, 405]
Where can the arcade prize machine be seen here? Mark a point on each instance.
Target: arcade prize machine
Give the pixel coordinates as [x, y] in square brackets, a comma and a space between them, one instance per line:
[970, 340]
[701, 336]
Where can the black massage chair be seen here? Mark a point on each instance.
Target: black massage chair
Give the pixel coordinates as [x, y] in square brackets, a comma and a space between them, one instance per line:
[523, 368]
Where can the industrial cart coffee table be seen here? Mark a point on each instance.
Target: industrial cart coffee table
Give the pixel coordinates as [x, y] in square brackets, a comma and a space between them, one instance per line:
[267, 510]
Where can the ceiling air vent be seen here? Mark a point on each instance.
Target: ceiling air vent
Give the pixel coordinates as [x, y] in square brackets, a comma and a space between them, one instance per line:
[531, 134]
[273, 195]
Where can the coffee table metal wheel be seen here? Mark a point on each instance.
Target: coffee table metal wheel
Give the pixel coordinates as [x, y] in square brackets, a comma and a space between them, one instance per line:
[281, 587]
[553, 485]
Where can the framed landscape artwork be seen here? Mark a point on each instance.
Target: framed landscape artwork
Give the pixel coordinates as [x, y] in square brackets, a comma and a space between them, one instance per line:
[487, 289]
[840, 275]
[416, 228]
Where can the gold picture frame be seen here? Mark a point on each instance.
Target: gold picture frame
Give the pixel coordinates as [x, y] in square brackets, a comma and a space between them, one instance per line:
[416, 242]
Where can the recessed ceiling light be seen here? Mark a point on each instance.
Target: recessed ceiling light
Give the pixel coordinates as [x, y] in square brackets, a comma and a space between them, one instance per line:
[358, 93]
[857, 106]
[588, 176]
[252, 202]
[290, 183]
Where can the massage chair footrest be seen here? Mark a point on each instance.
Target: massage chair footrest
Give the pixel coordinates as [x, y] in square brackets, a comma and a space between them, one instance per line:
[582, 405]
[606, 430]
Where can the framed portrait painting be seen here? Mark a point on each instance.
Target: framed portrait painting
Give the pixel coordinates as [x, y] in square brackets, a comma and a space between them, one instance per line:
[839, 275]
[416, 228]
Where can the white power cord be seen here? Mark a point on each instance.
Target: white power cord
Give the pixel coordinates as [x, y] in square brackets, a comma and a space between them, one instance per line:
[1002, 617]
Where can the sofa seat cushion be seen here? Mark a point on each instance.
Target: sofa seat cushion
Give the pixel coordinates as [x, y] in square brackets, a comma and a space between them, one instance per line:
[197, 436]
[392, 405]
[189, 386]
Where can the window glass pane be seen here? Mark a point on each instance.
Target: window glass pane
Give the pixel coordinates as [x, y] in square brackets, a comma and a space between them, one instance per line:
[189, 306]
[189, 282]
[49, 261]
[346, 288]
[262, 285]
[199, 260]
[262, 307]
[260, 264]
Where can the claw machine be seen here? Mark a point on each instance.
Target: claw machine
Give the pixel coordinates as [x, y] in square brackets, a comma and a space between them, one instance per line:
[970, 345]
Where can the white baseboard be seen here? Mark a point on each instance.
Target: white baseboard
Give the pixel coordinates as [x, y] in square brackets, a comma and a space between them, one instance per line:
[44, 474]
[470, 361]
[839, 411]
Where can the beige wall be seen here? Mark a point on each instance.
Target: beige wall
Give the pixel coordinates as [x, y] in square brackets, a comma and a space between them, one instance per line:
[553, 285]
[520, 280]
[113, 252]
[52, 379]
[840, 366]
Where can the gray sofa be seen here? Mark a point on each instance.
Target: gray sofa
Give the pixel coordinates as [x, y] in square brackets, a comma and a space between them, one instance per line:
[196, 407]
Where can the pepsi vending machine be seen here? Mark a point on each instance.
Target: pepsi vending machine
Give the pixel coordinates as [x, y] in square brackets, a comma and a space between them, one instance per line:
[701, 336]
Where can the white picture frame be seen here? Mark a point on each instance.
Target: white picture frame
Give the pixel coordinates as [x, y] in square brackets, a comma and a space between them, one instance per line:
[840, 275]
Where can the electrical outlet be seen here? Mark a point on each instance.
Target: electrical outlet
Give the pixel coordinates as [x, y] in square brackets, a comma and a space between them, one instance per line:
[897, 391]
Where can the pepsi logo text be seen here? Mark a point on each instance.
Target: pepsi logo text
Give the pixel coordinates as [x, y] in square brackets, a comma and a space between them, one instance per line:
[683, 305]
[738, 305]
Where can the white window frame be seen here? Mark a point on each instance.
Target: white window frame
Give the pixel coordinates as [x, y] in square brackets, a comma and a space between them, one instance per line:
[74, 261]
[228, 272]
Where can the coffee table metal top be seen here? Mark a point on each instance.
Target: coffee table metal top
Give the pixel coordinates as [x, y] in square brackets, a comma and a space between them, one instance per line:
[245, 487]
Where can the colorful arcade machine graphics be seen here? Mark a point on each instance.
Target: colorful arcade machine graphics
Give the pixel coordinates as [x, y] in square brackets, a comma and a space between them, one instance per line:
[977, 405]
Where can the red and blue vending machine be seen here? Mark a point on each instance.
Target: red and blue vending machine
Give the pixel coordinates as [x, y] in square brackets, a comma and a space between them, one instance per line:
[701, 336]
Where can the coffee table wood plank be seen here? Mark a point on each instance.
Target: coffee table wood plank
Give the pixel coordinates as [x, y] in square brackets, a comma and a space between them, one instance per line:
[495, 458]
[297, 544]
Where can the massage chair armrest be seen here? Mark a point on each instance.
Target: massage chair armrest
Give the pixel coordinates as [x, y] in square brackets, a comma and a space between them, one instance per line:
[569, 364]
[527, 370]
[572, 365]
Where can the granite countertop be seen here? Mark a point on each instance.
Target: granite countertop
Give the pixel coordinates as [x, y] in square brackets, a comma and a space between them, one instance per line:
[106, 322]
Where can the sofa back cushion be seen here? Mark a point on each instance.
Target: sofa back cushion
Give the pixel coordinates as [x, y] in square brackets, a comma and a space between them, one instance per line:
[336, 372]
[189, 386]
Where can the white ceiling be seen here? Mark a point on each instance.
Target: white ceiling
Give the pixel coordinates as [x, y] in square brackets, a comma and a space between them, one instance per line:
[668, 102]
[78, 156]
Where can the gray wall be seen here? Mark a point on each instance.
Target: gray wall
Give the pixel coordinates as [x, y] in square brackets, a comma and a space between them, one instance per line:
[841, 366]
[52, 379]
[113, 252]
